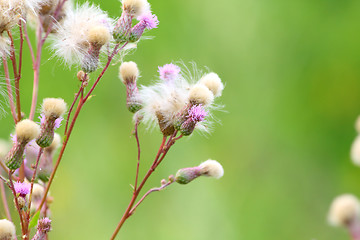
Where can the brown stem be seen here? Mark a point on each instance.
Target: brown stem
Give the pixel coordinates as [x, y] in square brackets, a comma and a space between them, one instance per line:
[72, 106]
[126, 214]
[31, 189]
[9, 90]
[16, 75]
[3, 197]
[17, 203]
[80, 105]
[138, 156]
[146, 194]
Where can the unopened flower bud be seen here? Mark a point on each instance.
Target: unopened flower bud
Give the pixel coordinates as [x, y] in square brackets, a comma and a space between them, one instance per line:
[7, 230]
[129, 73]
[344, 210]
[123, 27]
[26, 130]
[82, 76]
[21, 202]
[213, 83]
[46, 161]
[171, 178]
[186, 175]
[97, 37]
[209, 168]
[43, 227]
[52, 111]
[163, 182]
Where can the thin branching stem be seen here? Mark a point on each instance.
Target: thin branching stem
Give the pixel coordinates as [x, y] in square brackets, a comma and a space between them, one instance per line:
[9, 89]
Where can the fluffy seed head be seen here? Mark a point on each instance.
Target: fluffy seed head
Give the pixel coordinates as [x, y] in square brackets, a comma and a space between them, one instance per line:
[355, 151]
[38, 192]
[7, 230]
[129, 72]
[357, 124]
[212, 168]
[72, 41]
[4, 148]
[99, 35]
[344, 210]
[53, 107]
[136, 7]
[27, 130]
[199, 94]
[213, 83]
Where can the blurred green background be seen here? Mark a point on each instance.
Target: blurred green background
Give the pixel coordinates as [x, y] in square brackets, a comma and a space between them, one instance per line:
[292, 95]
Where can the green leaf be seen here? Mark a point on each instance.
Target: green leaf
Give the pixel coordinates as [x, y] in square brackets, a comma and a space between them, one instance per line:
[34, 219]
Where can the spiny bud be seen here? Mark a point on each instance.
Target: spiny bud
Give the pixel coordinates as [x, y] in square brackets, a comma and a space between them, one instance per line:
[43, 227]
[186, 175]
[209, 168]
[200, 94]
[97, 37]
[7, 230]
[26, 130]
[123, 27]
[344, 210]
[213, 83]
[129, 73]
[52, 111]
[46, 161]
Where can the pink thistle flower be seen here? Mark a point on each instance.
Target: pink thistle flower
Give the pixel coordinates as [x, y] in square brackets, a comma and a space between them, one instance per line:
[149, 20]
[57, 121]
[197, 114]
[169, 72]
[22, 188]
[44, 225]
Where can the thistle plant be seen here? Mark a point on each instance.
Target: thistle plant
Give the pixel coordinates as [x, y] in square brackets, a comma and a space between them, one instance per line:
[85, 38]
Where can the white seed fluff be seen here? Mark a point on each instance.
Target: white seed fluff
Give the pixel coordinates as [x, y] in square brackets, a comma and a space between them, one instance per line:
[212, 168]
[72, 39]
[213, 82]
[136, 7]
[99, 35]
[357, 125]
[128, 72]
[7, 230]
[343, 210]
[199, 94]
[27, 130]
[355, 151]
[54, 107]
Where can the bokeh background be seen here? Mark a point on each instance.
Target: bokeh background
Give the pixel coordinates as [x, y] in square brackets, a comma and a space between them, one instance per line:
[292, 95]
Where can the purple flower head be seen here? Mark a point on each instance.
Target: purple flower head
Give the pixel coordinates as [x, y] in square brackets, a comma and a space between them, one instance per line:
[57, 121]
[44, 225]
[149, 20]
[22, 188]
[169, 72]
[13, 138]
[197, 113]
